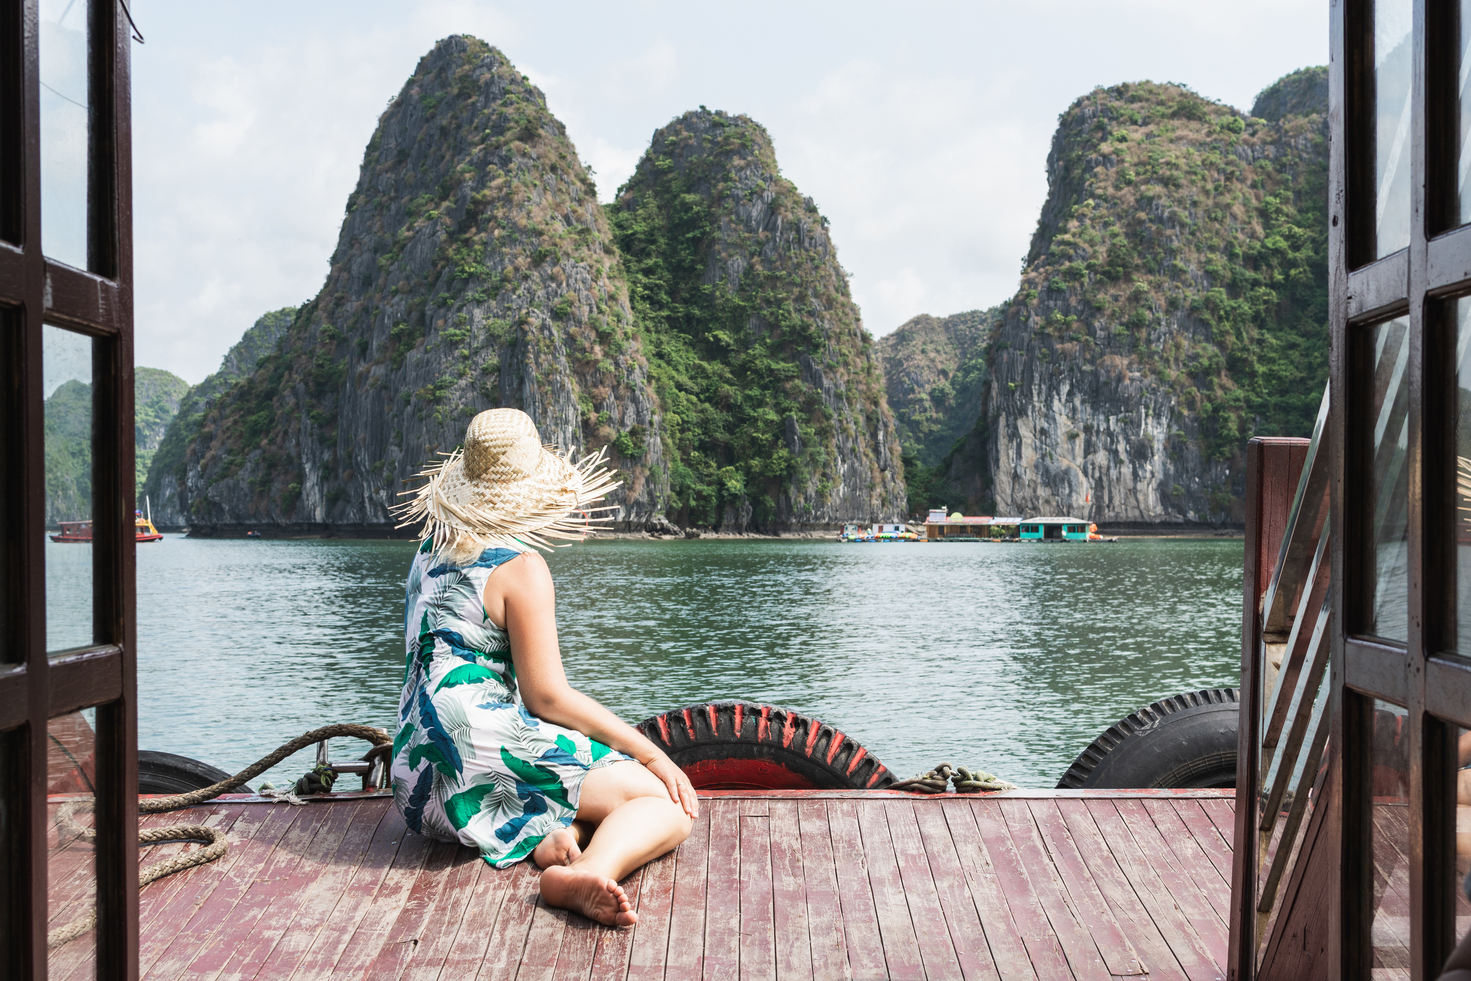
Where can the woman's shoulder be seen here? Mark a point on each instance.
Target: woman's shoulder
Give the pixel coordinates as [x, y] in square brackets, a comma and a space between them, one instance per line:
[487, 561]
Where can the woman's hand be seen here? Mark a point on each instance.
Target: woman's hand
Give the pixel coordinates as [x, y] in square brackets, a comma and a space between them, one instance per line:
[681, 791]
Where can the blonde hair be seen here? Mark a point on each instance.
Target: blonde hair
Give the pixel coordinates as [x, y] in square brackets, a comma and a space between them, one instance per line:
[465, 547]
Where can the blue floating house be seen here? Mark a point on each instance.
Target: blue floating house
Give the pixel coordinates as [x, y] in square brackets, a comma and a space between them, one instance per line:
[1054, 530]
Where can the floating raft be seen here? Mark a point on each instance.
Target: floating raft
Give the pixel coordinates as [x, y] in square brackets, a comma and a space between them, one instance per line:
[772, 885]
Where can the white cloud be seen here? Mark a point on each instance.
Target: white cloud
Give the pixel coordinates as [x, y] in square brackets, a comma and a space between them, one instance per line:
[921, 132]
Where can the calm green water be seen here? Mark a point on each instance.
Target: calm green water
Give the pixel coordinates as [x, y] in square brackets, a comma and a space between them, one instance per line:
[1010, 657]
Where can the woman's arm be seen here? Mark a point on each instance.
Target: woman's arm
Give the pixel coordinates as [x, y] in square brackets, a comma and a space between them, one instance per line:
[519, 596]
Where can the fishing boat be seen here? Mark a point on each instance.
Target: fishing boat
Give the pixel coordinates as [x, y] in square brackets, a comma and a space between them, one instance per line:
[881, 532]
[80, 532]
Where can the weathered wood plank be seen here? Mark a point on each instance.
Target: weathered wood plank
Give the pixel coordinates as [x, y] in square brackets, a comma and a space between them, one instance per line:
[543, 943]
[1207, 836]
[440, 932]
[864, 940]
[1153, 929]
[1222, 812]
[355, 898]
[579, 947]
[1135, 859]
[685, 957]
[610, 960]
[997, 932]
[1077, 943]
[1044, 949]
[901, 947]
[373, 927]
[768, 887]
[793, 948]
[288, 887]
[1097, 890]
[216, 912]
[236, 934]
[824, 905]
[483, 909]
[1193, 887]
[502, 952]
[1190, 855]
[325, 893]
[651, 933]
[163, 916]
[398, 947]
[936, 950]
[79, 959]
[758, 938]
[723, 893]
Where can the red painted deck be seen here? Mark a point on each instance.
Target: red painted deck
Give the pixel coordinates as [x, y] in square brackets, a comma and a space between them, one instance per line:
[773, 886]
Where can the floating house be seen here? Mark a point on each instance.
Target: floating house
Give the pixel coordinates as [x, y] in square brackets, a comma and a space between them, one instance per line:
[1054, 530]
[957, 527]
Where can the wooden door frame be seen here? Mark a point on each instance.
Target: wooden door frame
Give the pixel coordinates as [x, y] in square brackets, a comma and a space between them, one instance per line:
[1422, 675]
[97, 302]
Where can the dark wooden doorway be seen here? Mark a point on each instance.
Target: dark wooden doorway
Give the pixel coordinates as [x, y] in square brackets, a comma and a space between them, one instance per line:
[67, 641]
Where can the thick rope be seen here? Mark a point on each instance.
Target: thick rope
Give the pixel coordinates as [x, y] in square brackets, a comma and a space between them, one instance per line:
[153, 805]
[938, 780]
[217, 844]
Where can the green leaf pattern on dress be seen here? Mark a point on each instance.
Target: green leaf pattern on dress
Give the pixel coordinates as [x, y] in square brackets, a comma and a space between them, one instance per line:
[517, 777]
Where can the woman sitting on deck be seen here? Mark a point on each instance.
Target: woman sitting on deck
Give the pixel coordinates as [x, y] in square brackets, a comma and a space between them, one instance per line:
[494, 748]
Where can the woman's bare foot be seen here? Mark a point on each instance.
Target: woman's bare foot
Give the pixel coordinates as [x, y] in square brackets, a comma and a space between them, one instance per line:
[592, 895]
[557, 848]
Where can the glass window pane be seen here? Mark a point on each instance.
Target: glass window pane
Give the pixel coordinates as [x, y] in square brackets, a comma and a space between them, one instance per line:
[1463, 475]
[67, 385]
[71, 886]
[1463, 95]
[1463, 830]
[65, 124]
[1388, 487]
[1393, 65]
[1389, 756]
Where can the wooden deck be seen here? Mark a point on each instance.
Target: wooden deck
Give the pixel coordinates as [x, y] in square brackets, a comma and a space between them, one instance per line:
[780, 885]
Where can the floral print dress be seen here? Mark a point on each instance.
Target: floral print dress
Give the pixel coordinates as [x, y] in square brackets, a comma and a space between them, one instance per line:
[470, 764]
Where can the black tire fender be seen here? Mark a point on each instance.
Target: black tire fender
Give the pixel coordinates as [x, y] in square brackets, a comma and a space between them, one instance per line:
[170, 773]
[736, 745]
[1185, 740]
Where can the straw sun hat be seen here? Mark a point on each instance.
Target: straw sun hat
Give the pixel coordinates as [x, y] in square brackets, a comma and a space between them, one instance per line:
[506, 488]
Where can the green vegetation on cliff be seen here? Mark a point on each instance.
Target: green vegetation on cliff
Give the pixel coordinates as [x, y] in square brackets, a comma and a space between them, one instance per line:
[156, 397]
[935, 373]
[474, 268]
[165, 467]
[1166, 205]
[68, 413]
[762, 367]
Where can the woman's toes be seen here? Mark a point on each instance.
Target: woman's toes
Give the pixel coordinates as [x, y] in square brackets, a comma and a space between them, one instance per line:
[587, 893]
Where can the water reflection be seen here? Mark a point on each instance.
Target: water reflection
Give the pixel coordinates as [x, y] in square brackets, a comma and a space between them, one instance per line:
[1011, 657]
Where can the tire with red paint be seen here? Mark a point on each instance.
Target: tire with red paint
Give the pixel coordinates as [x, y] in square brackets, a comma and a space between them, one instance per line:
[749, 746]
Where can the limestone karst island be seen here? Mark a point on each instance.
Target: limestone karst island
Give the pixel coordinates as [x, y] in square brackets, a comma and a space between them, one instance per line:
[611, 577]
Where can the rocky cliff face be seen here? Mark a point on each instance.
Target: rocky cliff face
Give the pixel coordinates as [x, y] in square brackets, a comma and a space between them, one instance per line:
[934, 376]
[166, 484]
[1173, 304]
[474, 269]
[772, 388]
[156, 397]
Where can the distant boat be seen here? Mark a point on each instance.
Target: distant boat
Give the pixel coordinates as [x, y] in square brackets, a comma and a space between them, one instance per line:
[81, 531]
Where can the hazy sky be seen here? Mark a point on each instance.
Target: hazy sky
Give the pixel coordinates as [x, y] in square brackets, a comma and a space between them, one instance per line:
[921, 130]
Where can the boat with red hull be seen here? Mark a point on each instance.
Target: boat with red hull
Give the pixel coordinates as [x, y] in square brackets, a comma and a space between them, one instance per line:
[81, 531]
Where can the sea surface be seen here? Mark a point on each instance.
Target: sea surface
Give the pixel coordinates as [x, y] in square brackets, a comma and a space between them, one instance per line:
[1007, 657]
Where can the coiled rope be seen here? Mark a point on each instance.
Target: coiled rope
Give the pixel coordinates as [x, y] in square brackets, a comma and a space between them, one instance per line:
[938, 780]
[216, 845]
